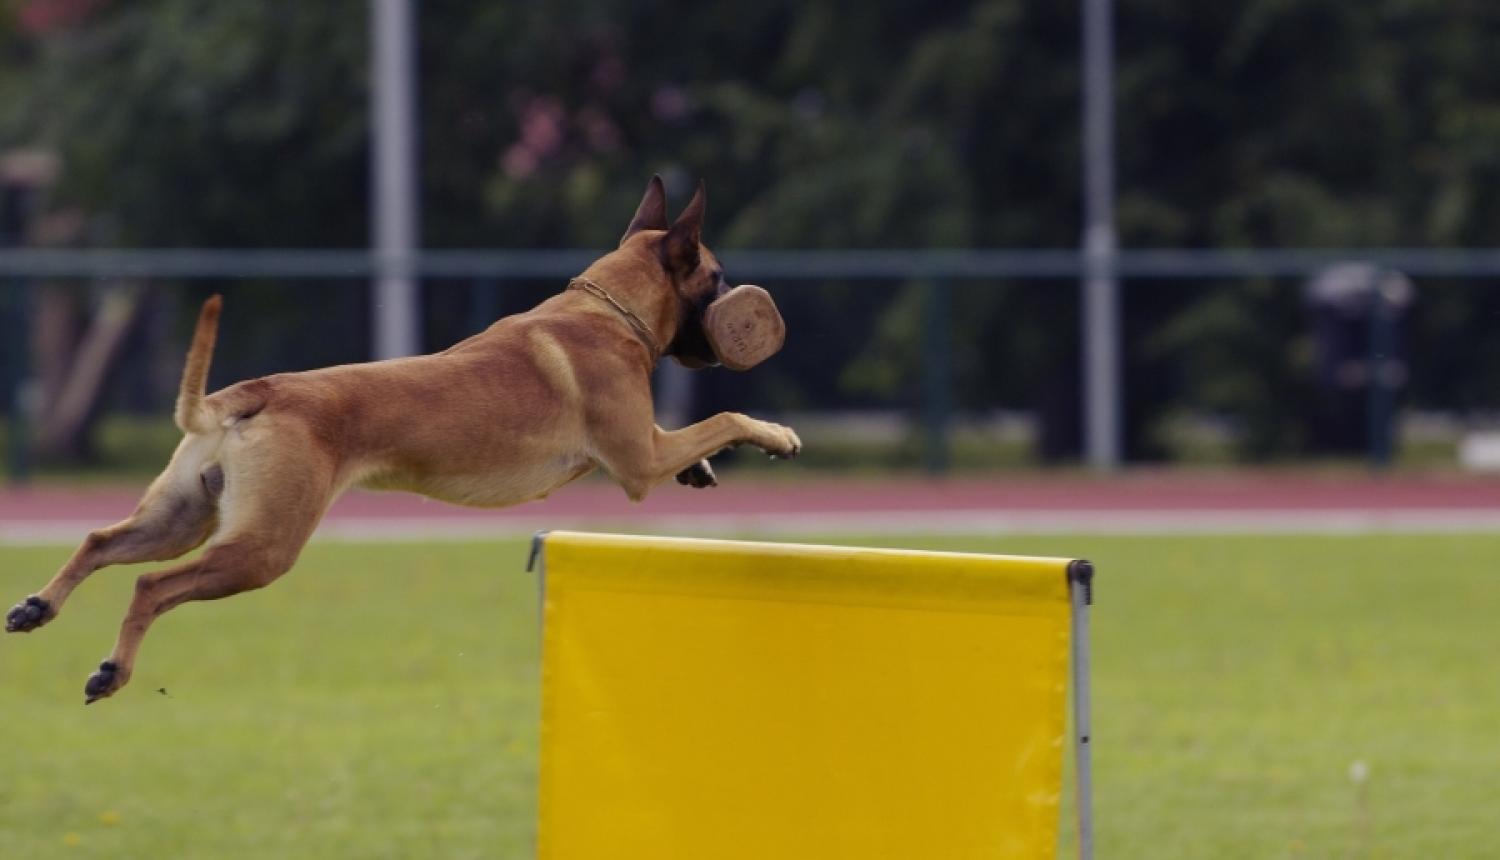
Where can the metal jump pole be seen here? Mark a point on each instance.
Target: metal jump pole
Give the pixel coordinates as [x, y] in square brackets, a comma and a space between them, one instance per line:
[394, 220]
[1101, 287]
[1081, 592]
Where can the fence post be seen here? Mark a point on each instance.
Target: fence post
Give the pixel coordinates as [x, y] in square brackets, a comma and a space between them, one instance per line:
[14, 377]
[1384, 369]
[937, 397]
[20, 177]
[1102, 402]
[395, 230]
[484, 303]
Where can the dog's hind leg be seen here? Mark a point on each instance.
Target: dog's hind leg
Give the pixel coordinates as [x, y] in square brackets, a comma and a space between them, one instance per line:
[224, 569]
[178, 512]
[268, 511]
[273, 499]
[176, 515]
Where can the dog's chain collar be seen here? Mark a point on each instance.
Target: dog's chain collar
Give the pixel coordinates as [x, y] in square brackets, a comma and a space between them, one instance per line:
[641, 329]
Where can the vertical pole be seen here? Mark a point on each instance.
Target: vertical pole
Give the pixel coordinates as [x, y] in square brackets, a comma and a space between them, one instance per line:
[1101, 314]
[16, 202]
[673, 386]
[937, 405]
[15, 377]
[1381, 366]
[1081, 591]
[537, 560]
[484, 303]
[394, 227]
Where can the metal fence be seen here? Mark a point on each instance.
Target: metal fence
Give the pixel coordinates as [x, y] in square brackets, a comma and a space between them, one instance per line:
[1064, 263]
[936, 268]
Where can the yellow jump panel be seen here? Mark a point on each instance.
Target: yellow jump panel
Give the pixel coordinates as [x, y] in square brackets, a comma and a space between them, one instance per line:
[715, 700]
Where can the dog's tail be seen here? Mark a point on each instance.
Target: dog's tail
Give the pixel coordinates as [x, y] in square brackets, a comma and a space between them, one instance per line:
[190, 414]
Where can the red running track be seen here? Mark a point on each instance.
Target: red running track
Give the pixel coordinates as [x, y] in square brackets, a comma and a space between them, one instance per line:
[1136, 501]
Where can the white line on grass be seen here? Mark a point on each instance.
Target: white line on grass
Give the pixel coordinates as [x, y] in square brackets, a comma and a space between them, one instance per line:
[957, 522]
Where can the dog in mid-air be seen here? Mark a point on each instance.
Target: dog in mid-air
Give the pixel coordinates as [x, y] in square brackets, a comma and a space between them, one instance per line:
[509, 415]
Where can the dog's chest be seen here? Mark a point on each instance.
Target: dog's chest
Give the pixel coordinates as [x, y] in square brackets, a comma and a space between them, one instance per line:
[496, 488]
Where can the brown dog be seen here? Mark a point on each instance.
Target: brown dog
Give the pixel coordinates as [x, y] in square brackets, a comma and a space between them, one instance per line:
[509, 415]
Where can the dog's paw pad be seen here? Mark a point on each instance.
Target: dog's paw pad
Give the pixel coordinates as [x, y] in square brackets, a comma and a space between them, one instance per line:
[28, 615]
[102, 683]
[698, 475]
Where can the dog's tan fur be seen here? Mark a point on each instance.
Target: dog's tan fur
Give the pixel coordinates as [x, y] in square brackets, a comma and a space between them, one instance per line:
[509, 415]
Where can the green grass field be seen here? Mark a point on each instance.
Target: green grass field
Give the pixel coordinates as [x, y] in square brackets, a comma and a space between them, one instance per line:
[381, 702]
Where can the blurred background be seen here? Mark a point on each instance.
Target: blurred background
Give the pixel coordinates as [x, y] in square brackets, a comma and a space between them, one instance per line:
[1204, 292]
[1250, 233]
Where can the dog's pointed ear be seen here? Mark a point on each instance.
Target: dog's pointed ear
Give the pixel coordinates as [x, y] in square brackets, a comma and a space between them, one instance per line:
[652, 213]
[680, 249]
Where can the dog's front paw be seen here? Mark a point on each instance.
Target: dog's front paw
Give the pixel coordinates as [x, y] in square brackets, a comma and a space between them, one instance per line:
[698, 475]
[105, 682]
[28, 615]
[785, 442]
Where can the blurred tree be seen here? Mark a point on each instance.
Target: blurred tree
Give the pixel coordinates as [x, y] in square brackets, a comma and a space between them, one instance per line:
[193, 123]
[899, 124]
[878, 124]
[1315, 123]
[184, 123]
